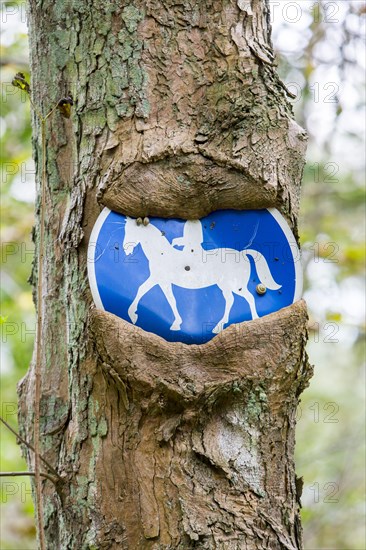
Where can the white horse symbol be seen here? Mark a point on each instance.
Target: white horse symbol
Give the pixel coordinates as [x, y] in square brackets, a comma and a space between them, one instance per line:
[193, 267]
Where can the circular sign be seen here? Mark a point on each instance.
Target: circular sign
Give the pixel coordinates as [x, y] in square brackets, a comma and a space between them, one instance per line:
[188, 280]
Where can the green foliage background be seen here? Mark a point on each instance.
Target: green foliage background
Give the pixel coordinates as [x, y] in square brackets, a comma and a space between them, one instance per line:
[330, 452]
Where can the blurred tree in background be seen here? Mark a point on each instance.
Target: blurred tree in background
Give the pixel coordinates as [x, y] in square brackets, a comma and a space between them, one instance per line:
[321, 56]
[17, 310]
[321, 52]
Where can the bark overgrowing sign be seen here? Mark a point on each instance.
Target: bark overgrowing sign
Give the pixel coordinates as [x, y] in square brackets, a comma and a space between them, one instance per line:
[188, 280]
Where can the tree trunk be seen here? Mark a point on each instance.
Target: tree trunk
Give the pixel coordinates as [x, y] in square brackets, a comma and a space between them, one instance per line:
[178, 112]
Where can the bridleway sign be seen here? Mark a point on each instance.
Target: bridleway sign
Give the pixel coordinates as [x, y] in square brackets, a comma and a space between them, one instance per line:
[186, 280]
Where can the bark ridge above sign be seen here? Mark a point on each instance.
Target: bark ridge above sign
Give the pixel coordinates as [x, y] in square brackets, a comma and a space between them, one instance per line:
[205, 123]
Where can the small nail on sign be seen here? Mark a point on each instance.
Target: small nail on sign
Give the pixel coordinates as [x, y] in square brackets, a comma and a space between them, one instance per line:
[186, 280]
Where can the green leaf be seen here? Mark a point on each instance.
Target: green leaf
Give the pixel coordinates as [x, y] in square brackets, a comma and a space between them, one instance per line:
[19, 81]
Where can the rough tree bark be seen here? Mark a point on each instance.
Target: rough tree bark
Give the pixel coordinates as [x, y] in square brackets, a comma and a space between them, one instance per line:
[178, 112]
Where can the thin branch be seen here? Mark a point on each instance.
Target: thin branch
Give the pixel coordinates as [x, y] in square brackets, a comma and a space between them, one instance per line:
[30, 446]
[51, 111]
[35, 108]
[13, 474]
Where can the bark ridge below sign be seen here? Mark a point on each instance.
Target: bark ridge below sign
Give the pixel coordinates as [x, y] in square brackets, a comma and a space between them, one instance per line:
[186, 280]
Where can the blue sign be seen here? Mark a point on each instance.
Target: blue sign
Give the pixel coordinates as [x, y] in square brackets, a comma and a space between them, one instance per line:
[188, 280]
